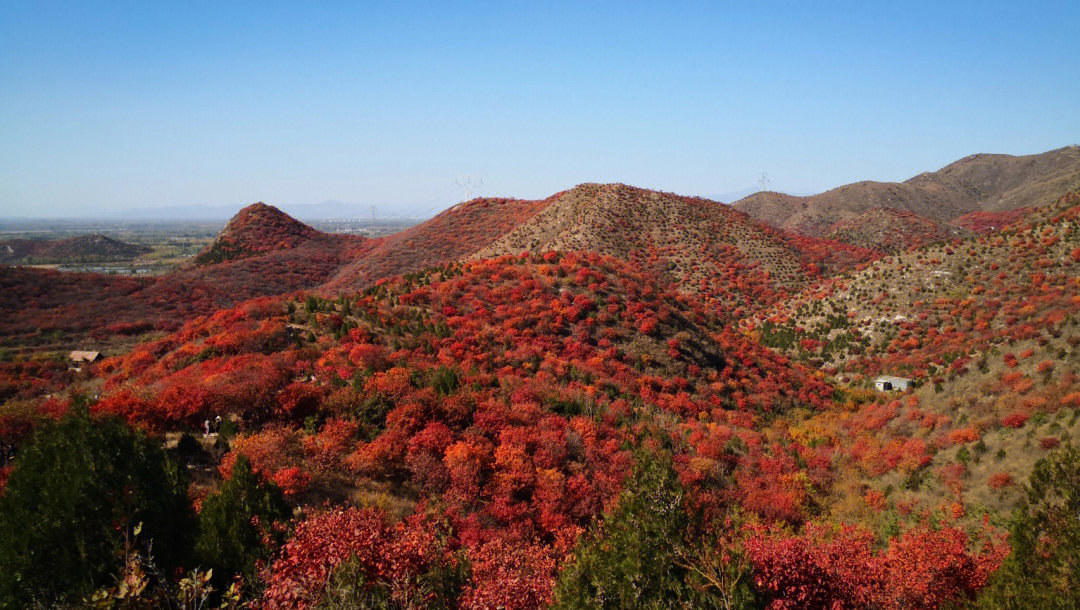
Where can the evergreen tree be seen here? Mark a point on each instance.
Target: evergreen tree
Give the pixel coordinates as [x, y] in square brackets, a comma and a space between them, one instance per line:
[234, 522]
[632, 560]
[1043, 569]
[75, 489]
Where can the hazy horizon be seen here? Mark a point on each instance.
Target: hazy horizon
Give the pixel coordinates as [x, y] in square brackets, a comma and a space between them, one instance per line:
[106, 108]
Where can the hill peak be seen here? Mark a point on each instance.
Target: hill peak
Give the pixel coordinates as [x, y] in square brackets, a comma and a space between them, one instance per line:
[256, 229]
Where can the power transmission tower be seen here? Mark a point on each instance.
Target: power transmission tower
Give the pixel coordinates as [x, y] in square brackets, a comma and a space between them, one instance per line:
[470, 184]
[372, 214]
[764, 182]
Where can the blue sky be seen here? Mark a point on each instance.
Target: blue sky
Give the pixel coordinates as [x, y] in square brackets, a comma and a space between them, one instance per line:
[114, 105]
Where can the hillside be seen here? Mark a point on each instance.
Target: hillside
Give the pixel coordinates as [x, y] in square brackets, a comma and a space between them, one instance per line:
[973, 184]
[699, 246]
[702, 246]
[505, 401]
[604, 358]
[1000, 183]
[986, 327]
[891, 231]
[81, 249]
[450, 236]
[47, 309]
[904, 312]
[261, 252]
[988, 222]
[733, 262]
[504, 394]
[816, 214]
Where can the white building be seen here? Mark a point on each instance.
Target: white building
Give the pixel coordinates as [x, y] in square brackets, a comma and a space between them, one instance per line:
[888, 383]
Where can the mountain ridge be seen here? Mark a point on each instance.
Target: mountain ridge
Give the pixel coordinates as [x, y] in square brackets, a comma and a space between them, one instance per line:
[980, 182]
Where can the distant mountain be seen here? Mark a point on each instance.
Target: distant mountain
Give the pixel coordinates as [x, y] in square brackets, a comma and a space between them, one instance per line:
[261, 252]
[973, 184]
[694, 242]
[256, 229]
[81, 249]
[1005, 182]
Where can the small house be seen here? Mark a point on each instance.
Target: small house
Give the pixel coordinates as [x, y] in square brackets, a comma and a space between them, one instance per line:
[888, 383]
[78, 357]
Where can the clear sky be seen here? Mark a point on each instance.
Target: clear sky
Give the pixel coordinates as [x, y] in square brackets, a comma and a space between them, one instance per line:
[114, 105]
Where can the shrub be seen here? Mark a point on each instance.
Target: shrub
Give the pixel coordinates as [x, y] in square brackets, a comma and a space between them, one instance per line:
[1015, 420]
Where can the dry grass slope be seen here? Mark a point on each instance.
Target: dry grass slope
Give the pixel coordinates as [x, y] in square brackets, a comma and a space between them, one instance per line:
[975, 183]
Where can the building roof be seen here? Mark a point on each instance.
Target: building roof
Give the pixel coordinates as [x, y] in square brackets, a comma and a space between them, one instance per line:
[891, 378]
[84, 356]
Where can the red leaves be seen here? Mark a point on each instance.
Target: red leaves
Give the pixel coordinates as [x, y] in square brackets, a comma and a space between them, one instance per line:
[1000, 480]
[1015, 420]
[960, 436]
[368, 356]
[391, 555]
[299, 399]
[647, 326]
[816, 570]
[292, 481]
[1049, 442]
[825, 568]
[514, 575]
[270, 451]
[327, 448]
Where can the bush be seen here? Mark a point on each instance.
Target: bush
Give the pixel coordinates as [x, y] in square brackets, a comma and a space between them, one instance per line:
[74, 491]
[234, 522]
